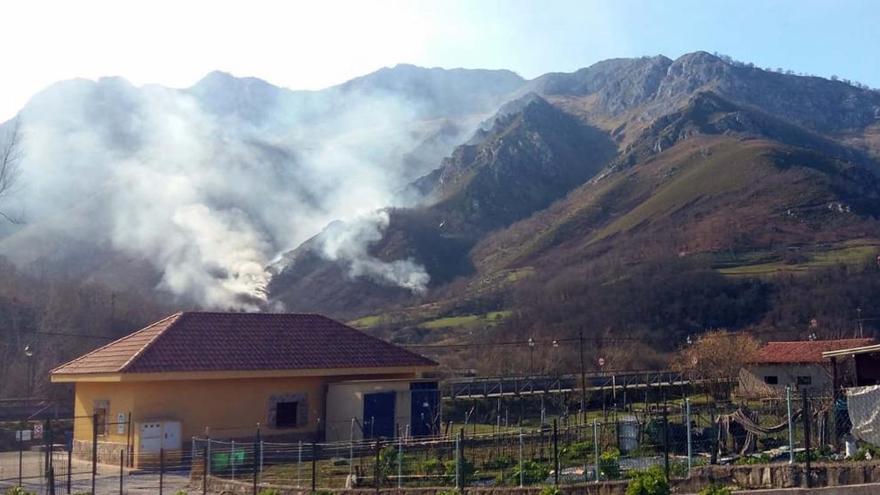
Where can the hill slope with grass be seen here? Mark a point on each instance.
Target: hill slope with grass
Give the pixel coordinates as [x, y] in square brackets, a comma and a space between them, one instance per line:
[694, 191]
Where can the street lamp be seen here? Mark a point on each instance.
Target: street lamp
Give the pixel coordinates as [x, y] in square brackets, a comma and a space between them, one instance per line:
[29, 354]
[531, 356]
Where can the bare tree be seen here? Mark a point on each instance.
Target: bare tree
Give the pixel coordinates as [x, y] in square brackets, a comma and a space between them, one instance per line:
[716, 358]
[10, 157]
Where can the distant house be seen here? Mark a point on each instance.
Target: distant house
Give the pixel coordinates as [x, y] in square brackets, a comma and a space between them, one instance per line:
[798, 365]
[299, 376]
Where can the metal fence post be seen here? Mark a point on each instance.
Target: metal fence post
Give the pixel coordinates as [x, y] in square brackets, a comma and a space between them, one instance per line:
[790, 426]
[69, 465]
[351, 448]
[687, 418]
[20, 433]
[399, 462]
[256, 461]
[596, 449]
[806, 414]
[555, 453]
[457, 463]
[121, 467]
[314, 467]
[94, 449]
[51, 477]
[161, 470]
[665, 440]
[232, 458]
[521, 474]
[299, 463]
[206, 460]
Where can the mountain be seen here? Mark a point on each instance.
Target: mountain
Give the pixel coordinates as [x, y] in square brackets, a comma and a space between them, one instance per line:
[646, 196]
[202, 187]
[717, 168]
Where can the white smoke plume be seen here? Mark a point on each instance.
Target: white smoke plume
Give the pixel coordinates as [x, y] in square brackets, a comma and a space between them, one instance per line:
[348, 242]
[210, 198]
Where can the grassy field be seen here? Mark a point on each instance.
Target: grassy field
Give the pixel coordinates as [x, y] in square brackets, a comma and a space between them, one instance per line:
[459, 321]
[490, 318]
[851, 253]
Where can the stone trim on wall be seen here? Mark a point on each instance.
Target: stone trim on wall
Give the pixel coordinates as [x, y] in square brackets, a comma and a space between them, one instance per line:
[302, 409]
[108, 452]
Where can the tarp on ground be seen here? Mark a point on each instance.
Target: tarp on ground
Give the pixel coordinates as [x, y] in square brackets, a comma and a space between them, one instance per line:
[863, 404]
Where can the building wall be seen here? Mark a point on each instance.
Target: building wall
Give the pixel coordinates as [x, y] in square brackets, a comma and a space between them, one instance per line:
[346, 401]
[752, 379]
[228, 408]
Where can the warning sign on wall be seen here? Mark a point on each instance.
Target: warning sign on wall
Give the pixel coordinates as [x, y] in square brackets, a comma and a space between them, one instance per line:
[38, 431]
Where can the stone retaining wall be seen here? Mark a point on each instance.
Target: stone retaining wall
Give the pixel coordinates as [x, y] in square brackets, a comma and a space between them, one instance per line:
[755, 477]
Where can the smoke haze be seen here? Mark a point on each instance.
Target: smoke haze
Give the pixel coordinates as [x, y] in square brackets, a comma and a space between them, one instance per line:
[211, 185]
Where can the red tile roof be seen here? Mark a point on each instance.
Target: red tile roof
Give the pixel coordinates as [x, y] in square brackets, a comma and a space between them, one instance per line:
[201, 341]
[804, 351]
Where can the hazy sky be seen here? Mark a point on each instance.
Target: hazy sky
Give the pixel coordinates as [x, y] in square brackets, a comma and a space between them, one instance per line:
[316, 44]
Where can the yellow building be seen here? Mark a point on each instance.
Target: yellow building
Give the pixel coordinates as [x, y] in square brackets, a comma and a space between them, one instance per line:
[297, 376]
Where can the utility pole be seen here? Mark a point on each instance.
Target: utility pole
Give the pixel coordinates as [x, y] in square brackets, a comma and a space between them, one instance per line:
[531, 356]
[861, 328]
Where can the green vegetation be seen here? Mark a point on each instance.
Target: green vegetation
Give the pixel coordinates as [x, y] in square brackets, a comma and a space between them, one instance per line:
[651, 481]
[809, 260]
[550, 490]
[609, 464]
[749, 460]
[269, 491]
[532, 472]
[577, 451]
[367, 321]
[862, 453]
[715, 489]
[487, 319]
[17, 490]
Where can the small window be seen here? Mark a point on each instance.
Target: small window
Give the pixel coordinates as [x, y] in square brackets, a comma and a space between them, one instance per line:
[805, 380]
[101, 419]
[771, 380]
[286, 414]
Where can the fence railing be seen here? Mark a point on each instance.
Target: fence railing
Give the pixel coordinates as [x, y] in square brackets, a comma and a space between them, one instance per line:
[674, 436]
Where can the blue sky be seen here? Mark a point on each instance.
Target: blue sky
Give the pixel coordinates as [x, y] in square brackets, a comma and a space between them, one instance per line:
[311, 45]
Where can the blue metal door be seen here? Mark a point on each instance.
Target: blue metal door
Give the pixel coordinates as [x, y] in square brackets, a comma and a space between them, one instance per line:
[424, 409]
[379, 415]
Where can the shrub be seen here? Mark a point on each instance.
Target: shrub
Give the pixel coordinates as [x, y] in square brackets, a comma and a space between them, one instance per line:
[467, 469]
[678, 469]
[754, 459]
[550, 490]
[862, 453]
[432, 465]
[577, 451]
[500, 462]
[17, 490]
[269, 491]
[532, 472]
[715, 489]
[648, 482]
[609, 464]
